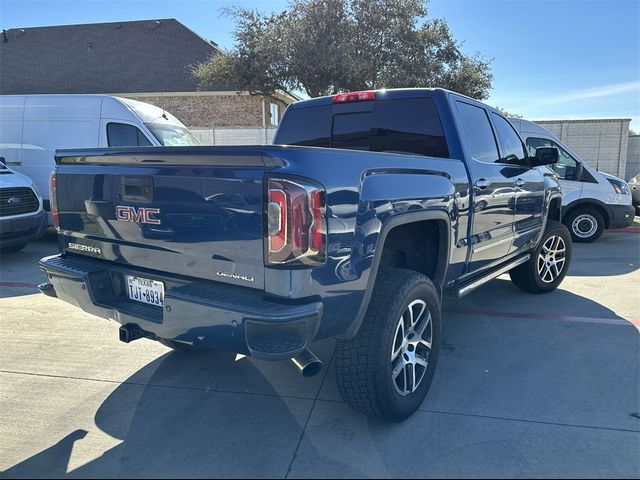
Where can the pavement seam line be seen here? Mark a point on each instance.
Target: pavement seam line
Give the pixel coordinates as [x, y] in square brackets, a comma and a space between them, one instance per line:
[523, 420]
[155, 385]
[306, 423]
[506, 419]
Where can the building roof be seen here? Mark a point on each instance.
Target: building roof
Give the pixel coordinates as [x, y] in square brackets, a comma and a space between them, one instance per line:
[137, 57]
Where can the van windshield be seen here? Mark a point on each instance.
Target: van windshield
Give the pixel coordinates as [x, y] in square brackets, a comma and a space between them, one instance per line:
[172, 135]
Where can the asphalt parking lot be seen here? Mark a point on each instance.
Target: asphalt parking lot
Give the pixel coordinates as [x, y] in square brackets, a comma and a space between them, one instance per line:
[527, 386]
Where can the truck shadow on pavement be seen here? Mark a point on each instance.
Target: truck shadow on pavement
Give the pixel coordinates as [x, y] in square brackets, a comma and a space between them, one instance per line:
[192, 415]
[210, 415]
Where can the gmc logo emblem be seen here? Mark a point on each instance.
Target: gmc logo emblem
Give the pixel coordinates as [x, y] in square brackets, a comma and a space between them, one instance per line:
[137, 215]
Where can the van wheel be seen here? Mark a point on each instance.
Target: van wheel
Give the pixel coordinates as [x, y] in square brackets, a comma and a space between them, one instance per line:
[549, 262]
[585, 224]
[386, 370]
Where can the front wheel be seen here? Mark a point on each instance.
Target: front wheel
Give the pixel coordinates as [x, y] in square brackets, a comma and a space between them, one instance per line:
[387, 368]
[585, 224]
[549, 262]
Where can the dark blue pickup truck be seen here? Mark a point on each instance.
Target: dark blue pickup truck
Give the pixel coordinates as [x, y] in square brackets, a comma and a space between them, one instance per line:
[368, 209]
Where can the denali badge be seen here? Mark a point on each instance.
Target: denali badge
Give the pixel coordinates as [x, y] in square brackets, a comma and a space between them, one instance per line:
[84, 248]
[235, 276]
[137, 215]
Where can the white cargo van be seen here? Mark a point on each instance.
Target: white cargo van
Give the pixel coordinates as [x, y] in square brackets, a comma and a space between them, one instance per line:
[591, 200]
[32, 127]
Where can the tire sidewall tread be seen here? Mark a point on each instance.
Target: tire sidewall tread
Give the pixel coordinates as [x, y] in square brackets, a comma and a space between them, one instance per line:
[363, 363]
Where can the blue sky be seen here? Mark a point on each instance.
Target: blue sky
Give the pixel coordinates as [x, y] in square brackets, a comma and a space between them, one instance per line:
[551, 59]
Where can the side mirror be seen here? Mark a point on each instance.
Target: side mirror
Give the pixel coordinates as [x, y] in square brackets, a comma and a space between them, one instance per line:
[544, 156]
[3, 161]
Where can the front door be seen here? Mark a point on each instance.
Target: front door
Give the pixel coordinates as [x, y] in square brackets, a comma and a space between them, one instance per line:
[493, 191]
[528, 183]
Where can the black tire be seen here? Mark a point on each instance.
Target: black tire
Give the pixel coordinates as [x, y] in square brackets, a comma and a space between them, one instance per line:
[586, 224]
[179, 346]
[13, 248]
[528, 276]
[364, 364]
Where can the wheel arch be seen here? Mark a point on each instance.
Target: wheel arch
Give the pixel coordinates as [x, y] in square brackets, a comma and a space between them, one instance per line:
[594, 203]
[422, 219]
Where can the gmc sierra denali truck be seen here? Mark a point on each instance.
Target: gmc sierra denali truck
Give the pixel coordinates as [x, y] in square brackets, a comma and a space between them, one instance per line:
[370, 206]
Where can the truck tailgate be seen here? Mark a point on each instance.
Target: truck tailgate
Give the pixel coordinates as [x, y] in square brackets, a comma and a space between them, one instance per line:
[196, 214]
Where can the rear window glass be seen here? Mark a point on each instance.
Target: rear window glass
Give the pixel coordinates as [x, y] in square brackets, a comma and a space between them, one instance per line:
[407, 125]
[310, 127]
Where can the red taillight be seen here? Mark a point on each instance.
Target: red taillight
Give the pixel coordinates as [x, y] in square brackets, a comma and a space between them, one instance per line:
[354, 97]
[53, 202]
[296, 223]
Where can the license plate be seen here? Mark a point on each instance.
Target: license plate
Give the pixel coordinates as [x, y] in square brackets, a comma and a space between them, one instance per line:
[146, 291]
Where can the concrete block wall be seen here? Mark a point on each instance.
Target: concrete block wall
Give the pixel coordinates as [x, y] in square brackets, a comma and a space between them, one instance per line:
[601, 142]
[633, 157]
[234, 136]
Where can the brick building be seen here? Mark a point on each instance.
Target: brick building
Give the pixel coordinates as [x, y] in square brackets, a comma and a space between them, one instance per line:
[149, 60]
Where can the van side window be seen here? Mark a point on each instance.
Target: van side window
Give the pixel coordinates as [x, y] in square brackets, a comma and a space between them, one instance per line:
[567, 166]
[124, 135]
[478, 133]
[511, 146]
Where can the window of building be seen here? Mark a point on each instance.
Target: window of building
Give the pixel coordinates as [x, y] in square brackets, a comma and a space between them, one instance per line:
[274, 111]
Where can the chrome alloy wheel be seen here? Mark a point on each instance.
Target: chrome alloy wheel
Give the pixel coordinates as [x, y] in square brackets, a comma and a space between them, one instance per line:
[411, 348]
[551, 259]
[584, 225]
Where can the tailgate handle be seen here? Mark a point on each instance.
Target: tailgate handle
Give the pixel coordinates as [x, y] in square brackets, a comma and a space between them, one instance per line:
[139, 189]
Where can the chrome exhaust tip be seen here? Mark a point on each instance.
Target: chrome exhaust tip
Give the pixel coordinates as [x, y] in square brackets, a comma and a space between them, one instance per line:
[307, 363]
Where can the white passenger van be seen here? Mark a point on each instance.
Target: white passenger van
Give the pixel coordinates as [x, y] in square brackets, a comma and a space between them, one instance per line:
[592, 201]
[32, 127]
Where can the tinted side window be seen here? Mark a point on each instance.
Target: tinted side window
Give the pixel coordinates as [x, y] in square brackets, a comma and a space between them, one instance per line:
[478, 133]
[123, 135]
[511, 146]
[567, 166]
[410, 125]
[309, 127]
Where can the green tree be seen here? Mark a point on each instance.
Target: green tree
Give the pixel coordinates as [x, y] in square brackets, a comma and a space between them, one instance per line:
[328, 46]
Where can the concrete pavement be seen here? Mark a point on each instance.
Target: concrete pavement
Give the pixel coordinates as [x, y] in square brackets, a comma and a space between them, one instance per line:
[527, 386]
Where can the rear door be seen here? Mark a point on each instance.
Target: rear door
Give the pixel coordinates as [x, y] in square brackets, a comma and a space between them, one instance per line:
[493, 187]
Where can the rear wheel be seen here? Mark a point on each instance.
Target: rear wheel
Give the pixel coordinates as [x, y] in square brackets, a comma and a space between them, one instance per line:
[585, 224]
[549, 262]
[387, 368]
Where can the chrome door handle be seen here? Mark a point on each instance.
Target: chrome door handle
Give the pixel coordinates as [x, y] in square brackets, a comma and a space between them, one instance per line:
[520, 183]
[481, 183]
